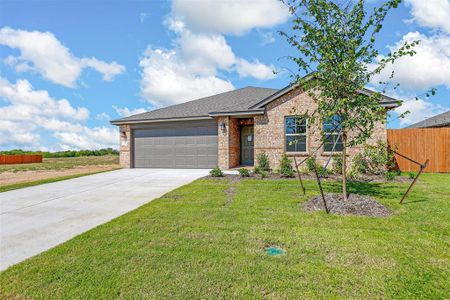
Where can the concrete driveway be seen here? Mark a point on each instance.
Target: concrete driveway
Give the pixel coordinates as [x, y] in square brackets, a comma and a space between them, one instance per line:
[37, 218]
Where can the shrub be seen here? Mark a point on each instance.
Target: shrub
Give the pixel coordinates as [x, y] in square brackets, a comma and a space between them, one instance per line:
[353, 173]
[359, 164]
[389, 176]
[263, 174]
[216, 172]
[286, 169]
[323, 172]
[311, 164]
[337, 165]
[374, 159]
[411, 175]
[263, 162]
[244, 172]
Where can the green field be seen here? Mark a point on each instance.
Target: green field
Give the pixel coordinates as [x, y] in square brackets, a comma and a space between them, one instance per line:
[208, 239]
[62, 163]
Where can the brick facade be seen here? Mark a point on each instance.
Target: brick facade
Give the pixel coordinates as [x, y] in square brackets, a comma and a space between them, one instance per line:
[228, 143]
[125, 146]
[270, 129]
[269, 134]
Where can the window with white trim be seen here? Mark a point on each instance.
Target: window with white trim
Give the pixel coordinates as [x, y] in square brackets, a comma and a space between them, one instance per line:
[332, 135]
[295, 134]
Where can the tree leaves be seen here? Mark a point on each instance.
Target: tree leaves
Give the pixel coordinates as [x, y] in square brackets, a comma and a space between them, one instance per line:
[337, 42]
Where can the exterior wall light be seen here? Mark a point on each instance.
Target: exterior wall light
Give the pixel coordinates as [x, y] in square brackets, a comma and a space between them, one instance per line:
[223, 126]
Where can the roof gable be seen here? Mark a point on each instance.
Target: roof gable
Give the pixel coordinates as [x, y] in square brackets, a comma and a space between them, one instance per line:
[244, 101]
[385, 100]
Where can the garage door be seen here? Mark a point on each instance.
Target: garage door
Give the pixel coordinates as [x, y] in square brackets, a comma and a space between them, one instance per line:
[176, 145]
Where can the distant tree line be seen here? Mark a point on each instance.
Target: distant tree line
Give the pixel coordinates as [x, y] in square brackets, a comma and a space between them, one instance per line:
[68, 153]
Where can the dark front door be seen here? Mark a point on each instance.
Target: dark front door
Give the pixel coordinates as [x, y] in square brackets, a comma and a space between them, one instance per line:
[247, 145]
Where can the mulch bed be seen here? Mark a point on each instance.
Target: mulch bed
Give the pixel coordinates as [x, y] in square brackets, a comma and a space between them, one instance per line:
[331, 177]
[355, 205]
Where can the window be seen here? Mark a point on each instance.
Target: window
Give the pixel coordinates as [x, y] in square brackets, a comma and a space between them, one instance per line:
[295, 131]
[332, 135]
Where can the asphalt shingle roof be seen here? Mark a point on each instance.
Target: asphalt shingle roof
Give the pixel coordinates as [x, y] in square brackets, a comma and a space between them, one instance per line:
[248, 99]
[440, 120]
[236, 100]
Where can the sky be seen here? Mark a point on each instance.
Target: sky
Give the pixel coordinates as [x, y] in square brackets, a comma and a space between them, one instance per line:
[68, 67]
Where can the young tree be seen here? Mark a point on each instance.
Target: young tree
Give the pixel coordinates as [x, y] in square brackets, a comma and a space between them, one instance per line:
[336, 45]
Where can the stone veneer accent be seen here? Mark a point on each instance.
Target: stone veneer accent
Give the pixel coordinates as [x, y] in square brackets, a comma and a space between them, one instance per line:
[270, 132]
[125, 146]
[229, 143]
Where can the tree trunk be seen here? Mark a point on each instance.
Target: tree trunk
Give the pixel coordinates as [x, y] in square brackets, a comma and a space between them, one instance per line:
[344, 166]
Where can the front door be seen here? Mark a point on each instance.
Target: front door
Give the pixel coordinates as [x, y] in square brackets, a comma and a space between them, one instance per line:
[247, 145]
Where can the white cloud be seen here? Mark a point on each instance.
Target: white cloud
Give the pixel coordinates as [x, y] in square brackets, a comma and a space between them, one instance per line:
[109, 70]
[88, 138]
[254, 69]
[125, 111]
[103, 117]
[429, 67]
[167, 80]
[205, 53]
[419, 110]
[12, 133]
[230, 16]
[191, 69]
[29, 113]
[27, 103]
[267, 37]
[431, 13]
[43, 53]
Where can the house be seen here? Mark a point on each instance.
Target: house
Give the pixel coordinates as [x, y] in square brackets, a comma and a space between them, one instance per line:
[228, 130]
[441, 120]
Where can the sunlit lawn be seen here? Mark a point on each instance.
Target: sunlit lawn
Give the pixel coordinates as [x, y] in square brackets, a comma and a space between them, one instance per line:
[200, 241]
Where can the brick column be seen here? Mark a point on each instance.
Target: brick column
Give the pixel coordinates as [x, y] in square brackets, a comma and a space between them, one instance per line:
[229, 143]
[125, 146]
[234, 140]
[223, 142]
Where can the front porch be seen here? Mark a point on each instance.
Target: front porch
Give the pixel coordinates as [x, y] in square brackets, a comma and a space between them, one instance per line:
[236, 142]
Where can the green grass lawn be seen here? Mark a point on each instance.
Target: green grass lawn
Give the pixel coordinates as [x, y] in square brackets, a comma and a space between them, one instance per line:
[62, 163]
[207, 240]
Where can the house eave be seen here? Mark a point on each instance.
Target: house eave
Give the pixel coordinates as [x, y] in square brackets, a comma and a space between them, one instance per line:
[392, 104]
[238, 113]
[126, 122]
[386, 101]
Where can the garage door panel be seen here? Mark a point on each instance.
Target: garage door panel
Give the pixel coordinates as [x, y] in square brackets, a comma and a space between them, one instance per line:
[180, 145]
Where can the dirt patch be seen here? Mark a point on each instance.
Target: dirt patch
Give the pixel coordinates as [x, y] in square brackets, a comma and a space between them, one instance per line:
[229, 177]
[8, 178]
[230, 194]
[355, 205]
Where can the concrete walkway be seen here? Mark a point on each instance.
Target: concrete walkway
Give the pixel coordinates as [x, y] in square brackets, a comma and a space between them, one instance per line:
[35, 219]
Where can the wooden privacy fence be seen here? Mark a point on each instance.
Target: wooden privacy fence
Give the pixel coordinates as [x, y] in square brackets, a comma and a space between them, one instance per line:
[421, 144]
[20, 159]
